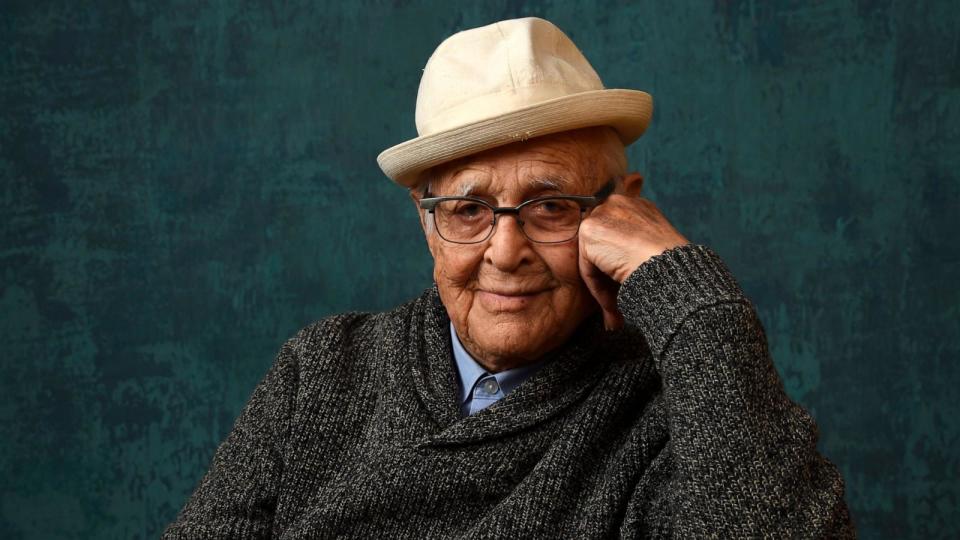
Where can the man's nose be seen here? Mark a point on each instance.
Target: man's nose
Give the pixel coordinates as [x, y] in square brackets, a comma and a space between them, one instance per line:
[508, 247]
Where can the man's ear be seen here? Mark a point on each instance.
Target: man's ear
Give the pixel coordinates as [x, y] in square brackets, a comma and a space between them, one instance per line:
[415, 197]
[631, 184]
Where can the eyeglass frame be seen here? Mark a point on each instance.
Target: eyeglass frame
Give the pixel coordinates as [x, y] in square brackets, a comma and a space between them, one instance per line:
[585, 201]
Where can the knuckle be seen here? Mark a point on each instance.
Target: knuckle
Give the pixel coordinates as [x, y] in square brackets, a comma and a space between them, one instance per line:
[618, 199]
[587, 225]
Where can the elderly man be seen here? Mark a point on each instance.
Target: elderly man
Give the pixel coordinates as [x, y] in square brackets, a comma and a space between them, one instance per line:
[579, 370]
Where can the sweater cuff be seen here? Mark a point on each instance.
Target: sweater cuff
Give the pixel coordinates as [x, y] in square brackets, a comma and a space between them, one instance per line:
[668, 287]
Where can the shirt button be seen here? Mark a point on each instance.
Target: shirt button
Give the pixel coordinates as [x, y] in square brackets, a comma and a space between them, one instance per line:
[490, 386]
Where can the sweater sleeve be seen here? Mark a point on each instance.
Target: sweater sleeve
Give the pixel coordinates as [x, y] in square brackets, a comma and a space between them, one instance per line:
[237, 496]
[743, 456]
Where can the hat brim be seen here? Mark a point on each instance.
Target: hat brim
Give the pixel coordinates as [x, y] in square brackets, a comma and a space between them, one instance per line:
[627, 111]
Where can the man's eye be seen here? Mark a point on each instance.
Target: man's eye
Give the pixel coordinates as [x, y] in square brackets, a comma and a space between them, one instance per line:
[549, 207]
[557, 207]
[468, 210]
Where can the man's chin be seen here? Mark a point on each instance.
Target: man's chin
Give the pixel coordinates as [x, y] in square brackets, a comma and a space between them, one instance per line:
[512, 339]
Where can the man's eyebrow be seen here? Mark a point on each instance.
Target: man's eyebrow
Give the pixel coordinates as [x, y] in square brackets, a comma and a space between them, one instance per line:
[543, 183]
[468, 188]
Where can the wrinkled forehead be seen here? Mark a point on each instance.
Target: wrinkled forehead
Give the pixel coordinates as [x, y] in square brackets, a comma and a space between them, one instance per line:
[479, 181]
[505, 174]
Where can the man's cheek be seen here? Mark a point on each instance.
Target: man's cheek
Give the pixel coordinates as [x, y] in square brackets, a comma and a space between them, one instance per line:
[566, 266]
[460, 266]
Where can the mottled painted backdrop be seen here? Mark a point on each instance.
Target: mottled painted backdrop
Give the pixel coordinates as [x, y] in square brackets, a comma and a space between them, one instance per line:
[185, 186]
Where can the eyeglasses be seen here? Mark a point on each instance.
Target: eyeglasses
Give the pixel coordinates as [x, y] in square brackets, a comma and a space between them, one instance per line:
[545, 220]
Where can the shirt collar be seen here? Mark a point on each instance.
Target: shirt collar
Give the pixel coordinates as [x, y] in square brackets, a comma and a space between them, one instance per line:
[470, 371]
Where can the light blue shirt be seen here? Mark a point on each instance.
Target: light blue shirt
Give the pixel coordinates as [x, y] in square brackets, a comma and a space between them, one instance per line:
[480, 389]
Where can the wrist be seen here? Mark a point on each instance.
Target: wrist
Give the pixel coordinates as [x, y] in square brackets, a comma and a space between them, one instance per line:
[645, 255]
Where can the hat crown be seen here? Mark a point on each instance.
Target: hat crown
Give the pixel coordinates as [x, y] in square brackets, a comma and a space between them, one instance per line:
[484, 72]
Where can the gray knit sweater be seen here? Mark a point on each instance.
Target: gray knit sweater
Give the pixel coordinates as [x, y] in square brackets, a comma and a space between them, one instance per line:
[676, 426]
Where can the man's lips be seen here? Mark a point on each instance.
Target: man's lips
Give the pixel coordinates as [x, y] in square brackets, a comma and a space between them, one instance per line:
[507, 300]
[513, 293]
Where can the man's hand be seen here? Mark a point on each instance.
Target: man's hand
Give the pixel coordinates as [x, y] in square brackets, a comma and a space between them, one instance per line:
[617, 237]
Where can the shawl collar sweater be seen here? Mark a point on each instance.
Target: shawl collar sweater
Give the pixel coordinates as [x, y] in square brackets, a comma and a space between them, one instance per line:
[675, 426]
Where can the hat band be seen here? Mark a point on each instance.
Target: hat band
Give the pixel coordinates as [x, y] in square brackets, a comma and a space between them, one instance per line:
[496, 104]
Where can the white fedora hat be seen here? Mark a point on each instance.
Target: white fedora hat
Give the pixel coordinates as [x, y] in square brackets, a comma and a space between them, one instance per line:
[506, 82]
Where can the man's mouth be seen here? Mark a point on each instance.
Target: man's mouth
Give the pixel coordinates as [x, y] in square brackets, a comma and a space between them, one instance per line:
[507, 300]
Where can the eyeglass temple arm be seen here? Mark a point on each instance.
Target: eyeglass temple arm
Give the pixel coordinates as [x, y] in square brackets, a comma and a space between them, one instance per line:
[606, 190]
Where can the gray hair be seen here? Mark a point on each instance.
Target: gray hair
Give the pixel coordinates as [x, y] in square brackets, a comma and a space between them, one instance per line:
[420, 188]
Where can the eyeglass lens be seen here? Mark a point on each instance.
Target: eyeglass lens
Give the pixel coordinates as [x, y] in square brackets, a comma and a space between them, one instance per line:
[547, 220]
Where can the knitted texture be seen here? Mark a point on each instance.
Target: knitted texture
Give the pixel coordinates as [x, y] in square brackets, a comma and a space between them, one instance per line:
[675, 426]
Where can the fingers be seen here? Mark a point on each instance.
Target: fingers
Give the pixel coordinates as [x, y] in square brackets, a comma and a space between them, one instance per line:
[604, 290]
[612, 319]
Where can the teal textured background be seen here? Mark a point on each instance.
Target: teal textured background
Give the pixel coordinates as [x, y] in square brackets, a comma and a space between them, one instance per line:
[186, 185]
